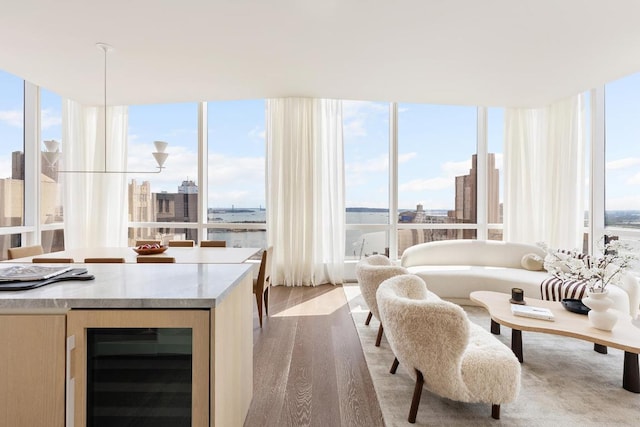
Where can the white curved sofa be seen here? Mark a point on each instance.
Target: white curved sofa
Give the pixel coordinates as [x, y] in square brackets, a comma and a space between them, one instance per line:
[453, 269]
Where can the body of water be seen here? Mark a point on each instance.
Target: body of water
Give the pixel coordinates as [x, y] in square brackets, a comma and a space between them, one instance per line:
[357, 242]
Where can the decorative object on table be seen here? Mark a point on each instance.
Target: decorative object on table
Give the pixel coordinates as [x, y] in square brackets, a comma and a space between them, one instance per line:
[517, 296]
[150, 249]
[597, 272]
[600, 316]
[575, 305]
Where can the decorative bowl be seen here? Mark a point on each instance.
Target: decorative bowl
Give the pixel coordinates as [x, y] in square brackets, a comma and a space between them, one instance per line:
[575, 306]
[150, 251]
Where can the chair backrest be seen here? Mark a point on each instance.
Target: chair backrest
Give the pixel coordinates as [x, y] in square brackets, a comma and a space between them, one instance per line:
[104, 260]
[155, 259]
[425, 333]
[182, 243]
[268, 264]
[370, 272]
[24, 251]
[213, 243]
[264, 273]
[53, 260]
[148, 242]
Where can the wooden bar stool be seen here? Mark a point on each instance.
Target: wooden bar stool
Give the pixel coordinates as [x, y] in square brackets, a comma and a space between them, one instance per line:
[182, 243]
[155, 259]
[104, 260]
[148, 242]
[53, 260]
[213, 244]
[24, 251]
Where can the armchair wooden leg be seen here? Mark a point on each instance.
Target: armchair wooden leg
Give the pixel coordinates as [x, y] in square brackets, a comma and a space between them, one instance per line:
[379, 338]
[417, 393]
[394, 367]
[259, 302]
[495, 412]
[368, 319]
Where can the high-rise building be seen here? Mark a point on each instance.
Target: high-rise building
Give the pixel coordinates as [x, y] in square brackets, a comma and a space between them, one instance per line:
[17, 167]
[145, 206]
[140, 209]
[188, 187]
[12, 203]
[466, 198]
[140, 202]
[466, 208]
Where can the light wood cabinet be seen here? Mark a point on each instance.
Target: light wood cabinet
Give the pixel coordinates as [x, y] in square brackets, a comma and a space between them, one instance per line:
[32, 366]
[232, 356]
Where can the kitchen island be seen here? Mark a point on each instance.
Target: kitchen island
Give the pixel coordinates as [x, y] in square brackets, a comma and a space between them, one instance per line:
[45, 364]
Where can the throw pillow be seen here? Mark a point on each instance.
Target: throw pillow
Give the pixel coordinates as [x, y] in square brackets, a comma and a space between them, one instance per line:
[532, 262]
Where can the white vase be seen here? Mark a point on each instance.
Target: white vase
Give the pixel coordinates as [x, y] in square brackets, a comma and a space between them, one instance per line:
[600, 316]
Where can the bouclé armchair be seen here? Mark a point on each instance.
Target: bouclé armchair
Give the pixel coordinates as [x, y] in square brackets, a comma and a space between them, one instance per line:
[370, 272]
[444, 351]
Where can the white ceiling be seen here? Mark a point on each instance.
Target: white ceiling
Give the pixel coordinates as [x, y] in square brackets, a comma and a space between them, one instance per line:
[485, 52]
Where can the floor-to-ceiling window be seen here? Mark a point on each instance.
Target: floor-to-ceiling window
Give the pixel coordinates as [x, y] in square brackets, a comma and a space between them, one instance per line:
[12, 162]
[622, 118]
[170, 196]
[366, 167]
[437, 173]
[51, 182]
[236, 202]
[622, 160]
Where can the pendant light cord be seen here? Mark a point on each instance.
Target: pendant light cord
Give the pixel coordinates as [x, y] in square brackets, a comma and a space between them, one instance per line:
[105, 48]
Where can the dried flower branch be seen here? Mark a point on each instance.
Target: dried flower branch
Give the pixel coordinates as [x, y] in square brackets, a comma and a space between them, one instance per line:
[597, 272]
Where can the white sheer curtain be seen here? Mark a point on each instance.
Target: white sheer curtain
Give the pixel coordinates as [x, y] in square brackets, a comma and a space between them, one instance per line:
[95, 204]
[544, 157]
[305, 190]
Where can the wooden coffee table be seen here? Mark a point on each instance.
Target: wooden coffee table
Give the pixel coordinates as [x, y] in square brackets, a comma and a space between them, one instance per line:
[624, 336]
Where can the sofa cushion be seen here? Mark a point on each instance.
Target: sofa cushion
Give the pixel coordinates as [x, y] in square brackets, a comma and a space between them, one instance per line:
[533, 262]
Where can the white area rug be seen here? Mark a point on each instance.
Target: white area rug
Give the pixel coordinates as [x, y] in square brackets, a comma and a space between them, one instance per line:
[564, 382]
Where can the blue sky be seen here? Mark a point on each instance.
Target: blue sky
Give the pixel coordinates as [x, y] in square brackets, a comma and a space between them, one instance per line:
[435, 145]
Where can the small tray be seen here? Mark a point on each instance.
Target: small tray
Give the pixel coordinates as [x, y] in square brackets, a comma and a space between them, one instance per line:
[152, 251]
[575, 306]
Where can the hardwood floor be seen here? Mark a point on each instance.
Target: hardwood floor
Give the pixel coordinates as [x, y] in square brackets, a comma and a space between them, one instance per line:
[309, 369]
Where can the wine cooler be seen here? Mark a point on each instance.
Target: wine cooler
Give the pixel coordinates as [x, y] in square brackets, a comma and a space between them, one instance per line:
[138, 368]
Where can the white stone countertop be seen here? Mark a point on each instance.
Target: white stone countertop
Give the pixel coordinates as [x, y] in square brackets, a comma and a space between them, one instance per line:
[168, 286]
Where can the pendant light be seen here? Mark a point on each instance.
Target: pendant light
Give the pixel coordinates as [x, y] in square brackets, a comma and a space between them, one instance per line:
[52, 153]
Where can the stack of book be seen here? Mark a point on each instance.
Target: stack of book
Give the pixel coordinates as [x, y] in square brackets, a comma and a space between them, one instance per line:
[27, 273]
[533, 312]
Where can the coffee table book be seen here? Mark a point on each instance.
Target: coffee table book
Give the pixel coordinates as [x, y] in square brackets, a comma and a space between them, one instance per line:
[19, 273]
[533, 312]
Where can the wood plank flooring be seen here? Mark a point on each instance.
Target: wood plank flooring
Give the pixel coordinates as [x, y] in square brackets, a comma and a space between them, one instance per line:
[309, 369]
